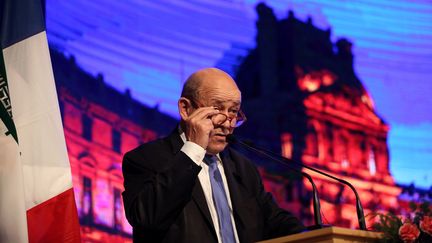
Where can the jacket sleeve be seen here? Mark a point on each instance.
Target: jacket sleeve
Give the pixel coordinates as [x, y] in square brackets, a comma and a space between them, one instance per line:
[153, 199]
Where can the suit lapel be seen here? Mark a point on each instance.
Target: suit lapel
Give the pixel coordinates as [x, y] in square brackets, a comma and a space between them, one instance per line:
[199, 199]
[197, 194]
[237, 193]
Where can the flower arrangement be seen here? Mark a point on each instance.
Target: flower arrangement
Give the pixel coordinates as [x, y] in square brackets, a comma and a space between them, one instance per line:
[414, 228]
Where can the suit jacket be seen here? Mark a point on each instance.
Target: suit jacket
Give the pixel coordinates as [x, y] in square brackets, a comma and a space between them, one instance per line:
[164, 201]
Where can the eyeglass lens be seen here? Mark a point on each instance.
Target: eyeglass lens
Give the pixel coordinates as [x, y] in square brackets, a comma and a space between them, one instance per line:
[221, 118]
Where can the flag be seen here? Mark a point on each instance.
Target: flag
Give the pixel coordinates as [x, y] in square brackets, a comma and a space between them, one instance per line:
[36, 197]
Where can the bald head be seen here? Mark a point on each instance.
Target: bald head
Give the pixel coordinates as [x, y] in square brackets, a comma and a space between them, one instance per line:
[204, 80]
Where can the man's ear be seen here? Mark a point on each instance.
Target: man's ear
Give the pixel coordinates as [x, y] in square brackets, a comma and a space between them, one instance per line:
[184, 107]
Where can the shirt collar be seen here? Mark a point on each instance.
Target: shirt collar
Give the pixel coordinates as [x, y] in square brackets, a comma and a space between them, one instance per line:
[183, 138]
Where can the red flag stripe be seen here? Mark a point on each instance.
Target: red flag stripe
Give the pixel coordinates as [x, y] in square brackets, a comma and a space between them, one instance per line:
[55, 220]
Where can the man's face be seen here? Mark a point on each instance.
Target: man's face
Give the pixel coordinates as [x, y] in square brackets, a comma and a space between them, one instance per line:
[226, 97]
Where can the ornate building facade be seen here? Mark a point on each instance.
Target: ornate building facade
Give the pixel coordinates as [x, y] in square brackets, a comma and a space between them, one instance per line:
[100, 125]
[304, 100]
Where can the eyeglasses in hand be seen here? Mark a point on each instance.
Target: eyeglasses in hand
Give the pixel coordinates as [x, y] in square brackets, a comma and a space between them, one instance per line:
[235, 119]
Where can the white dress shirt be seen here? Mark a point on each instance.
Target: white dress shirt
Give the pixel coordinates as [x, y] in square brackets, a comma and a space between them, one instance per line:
[197, 153]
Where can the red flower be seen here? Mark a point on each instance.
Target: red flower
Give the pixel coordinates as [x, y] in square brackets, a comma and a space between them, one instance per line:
[426, 225]
[408, 232]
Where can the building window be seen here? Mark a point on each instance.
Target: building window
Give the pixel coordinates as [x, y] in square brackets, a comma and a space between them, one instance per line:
[372, 163]
[118, 211]
[345, 163]
[343, 152]
[116, 140]
[312, 142]
[287, 145]
[329, 133]
[87, 124]
[87, 202]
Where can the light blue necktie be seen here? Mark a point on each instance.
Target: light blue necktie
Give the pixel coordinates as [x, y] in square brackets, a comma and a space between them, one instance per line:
[220, 200]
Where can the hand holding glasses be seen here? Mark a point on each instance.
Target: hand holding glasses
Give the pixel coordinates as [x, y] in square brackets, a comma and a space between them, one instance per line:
[236, 119]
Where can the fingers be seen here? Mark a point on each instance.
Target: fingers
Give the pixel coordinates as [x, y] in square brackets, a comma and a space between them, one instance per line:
[200, 122]
[203, 113]
[198, 125]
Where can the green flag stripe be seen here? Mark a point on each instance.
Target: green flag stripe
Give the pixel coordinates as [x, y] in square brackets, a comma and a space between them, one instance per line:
[5, 102]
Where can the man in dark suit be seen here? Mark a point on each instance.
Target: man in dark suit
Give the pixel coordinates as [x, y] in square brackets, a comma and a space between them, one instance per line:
[188, 187]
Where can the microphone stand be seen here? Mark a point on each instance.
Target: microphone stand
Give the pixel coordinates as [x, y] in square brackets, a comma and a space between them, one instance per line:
[315, 199]
[359, 207]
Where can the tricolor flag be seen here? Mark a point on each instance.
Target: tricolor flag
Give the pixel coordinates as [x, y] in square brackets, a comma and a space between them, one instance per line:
[36, 197]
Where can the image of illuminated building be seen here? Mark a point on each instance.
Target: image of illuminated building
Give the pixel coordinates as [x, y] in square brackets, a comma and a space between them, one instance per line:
[301, 93]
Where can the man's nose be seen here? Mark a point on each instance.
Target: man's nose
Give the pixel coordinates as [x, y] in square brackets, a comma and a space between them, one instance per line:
[227, 123]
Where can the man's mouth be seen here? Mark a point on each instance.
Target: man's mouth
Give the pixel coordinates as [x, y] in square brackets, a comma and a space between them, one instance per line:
[221, 135]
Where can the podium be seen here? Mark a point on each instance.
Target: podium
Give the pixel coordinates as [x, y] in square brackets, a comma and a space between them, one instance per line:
[329, 234]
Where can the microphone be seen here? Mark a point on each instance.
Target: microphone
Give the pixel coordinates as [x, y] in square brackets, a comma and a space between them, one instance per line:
[360, 212]
[315, 198]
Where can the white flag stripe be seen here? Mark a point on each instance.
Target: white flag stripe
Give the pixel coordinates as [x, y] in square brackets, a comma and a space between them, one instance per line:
[12, 207]
[37, 119]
